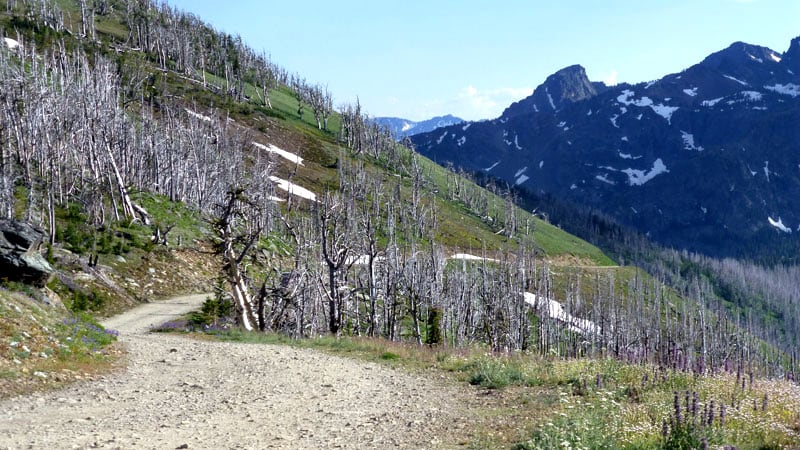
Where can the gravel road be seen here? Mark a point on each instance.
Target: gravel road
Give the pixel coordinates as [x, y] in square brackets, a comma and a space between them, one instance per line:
[185, 393]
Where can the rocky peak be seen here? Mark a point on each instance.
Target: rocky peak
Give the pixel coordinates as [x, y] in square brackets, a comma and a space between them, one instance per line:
[568, 85]
[792, 56]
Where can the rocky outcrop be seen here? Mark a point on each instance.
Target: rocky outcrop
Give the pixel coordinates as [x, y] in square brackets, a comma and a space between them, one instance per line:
[20, 259]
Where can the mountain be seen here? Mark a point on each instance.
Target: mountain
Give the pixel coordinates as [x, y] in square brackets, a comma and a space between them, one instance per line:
[402, 128]
[707, 159]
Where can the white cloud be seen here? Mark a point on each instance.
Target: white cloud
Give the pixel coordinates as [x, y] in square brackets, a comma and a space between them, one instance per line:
[472, 103]
[612, 79]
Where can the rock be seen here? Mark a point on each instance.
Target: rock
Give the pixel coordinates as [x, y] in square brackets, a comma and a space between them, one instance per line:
[20, 259]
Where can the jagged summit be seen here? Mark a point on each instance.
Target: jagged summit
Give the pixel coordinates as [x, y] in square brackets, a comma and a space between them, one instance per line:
[791, 59]
[566, 86]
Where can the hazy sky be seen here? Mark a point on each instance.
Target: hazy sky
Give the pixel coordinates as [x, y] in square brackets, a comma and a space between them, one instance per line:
[416, 59]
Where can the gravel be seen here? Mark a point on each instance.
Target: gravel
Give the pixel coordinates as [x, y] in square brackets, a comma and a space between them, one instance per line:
[185, 393]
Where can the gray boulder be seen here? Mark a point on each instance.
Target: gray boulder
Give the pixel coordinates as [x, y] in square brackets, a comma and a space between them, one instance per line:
[20, 259]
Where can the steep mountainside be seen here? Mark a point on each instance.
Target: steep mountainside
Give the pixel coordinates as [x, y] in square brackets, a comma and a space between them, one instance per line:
[706, 159]
[403, 127]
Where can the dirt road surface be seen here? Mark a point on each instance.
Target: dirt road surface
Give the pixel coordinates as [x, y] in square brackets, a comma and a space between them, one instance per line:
[184, 393]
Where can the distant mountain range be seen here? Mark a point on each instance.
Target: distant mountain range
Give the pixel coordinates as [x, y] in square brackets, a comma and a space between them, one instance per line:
[707, 159]
[403, 127]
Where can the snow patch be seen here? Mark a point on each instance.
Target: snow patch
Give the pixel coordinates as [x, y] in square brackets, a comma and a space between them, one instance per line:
[555, 310]
[755, 58]
[407, 126]
[520, 171]
[736, 80]
[461, 141]
[464, 128]
[614, 120]
[441, 138]
[573, 187]
[712, 102]
[604, 179]
[492, 166]
[589, 113]
[293, 189]
[628, 156]
[516, 142]
[688, 142]
[779, 225]
[561, 124]
[624, 138]
[197, 115]
[468, 257]
[550, 98]
[639, 177]
[665, 111]
[662, 110]
[289, 156]
[690, 92]
[541, 164]
[789, 89]
[521, 179]
[767, 172]
[12, 44]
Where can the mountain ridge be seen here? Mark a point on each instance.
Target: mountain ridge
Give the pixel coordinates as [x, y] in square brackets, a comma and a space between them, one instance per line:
[654, 155]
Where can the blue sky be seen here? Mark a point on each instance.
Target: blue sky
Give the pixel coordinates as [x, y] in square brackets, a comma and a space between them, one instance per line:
[416, 59]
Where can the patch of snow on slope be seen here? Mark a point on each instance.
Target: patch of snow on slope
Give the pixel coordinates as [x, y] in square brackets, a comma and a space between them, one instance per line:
[407, 126]
[690, 92]
[755, 58]
[613, 120]
[789, 89]
[541, 164]
[736, 80]
[441, 138]
[516, 142]
[492, 166]
[712, 102]
[649, 84]
[628, 156]
[767, 172]
[604, 179]
[624, 138]
[12, 43]
[550, 98]
[197, 115]
[561, 124]
[775, 57]
[464, 128]
[461, 141]
[752, 96]
[555, 310]
[779, 225]
[664, 111]
[468, 257]
[688, 142]
[282, 153]
[520, 171]
[639, 177]
[521, 179]
[589, 113]
[293, 189]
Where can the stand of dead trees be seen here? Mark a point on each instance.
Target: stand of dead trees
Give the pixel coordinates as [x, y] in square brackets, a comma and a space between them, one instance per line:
[363, 259]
